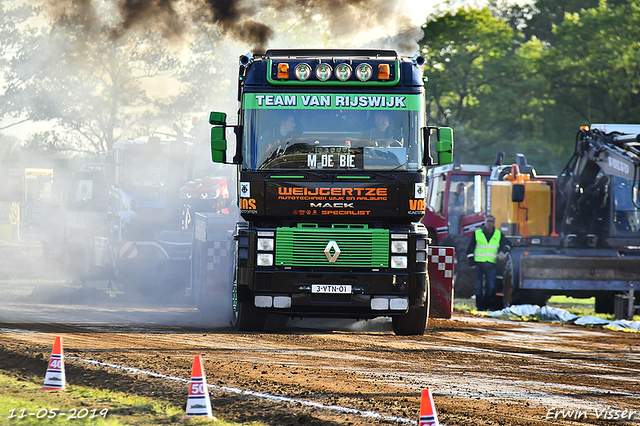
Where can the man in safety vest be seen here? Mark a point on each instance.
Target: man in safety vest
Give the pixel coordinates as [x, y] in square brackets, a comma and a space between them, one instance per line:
[486, 247]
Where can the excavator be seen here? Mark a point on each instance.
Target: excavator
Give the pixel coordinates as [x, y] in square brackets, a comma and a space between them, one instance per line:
[575, 234]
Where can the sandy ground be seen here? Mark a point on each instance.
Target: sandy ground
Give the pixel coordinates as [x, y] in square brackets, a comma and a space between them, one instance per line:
[481, 371]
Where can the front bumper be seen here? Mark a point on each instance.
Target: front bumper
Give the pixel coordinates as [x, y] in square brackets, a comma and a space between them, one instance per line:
[357, 294]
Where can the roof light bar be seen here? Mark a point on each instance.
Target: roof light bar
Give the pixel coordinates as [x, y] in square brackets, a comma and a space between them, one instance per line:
[372, 72]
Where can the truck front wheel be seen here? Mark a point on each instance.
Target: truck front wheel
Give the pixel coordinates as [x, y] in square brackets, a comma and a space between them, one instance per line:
[246, 317]
[413, 323]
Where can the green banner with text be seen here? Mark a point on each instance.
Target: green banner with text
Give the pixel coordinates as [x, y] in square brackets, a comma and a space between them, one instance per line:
[332, 101]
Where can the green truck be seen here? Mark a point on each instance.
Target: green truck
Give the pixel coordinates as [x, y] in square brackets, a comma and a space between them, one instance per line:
[332, 148]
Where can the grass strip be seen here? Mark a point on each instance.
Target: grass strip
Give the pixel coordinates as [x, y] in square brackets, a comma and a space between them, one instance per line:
[22, 403]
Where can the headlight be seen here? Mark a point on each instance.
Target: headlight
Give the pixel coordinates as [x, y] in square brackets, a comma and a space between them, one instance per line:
[399, 246]
[399, 262]
[302, 71]
[265, 259]
[265, 244]
[364, 72]
[323, 72]
[343, 72]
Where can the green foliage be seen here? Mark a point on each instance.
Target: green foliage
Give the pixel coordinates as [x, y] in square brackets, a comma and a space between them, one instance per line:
[523, 78]
[484, 83]
[538, 19]
[463, 51]
[594, 67]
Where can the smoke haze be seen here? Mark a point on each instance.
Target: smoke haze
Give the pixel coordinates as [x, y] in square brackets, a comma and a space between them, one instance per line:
[228, 28]
[247, 21]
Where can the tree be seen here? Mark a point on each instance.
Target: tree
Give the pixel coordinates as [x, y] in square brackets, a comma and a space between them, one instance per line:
[594, 69]
[503, 92]
[479, 84]
[80, 78]
[462, 50]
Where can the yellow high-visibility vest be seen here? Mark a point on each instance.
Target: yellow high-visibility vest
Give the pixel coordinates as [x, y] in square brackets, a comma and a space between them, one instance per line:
[486, 251]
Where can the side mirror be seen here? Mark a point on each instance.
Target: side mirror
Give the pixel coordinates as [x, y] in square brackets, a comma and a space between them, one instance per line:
[444, 145]
[517, 193]
[218, 145]
[218, 118]
[218, 137]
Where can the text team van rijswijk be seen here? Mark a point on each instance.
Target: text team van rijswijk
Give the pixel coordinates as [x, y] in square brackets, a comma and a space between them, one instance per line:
[326, 101]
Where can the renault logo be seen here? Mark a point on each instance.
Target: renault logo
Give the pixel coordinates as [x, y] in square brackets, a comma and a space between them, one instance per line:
[336, 251]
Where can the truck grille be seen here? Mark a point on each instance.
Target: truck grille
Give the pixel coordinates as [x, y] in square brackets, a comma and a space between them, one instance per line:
[359, 246]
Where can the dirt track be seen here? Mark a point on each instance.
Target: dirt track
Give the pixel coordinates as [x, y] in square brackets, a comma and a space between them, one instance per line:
[481, 371]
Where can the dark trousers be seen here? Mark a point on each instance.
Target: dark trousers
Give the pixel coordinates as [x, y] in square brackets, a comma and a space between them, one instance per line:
[485, 284]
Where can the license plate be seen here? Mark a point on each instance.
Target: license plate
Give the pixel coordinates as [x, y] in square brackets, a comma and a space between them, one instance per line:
[331, 288]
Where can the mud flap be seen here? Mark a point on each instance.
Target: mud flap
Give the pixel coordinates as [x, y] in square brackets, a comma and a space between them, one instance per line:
[441, 271]
[213, 263]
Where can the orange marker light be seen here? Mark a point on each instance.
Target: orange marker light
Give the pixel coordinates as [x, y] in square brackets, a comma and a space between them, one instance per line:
[283, 70]
[383, 72]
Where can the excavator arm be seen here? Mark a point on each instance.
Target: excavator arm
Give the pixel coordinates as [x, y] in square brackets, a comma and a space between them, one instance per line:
[598, 157]
[616, 153]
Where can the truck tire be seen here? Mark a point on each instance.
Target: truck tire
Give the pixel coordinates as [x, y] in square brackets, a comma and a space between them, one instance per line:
[513, 295]
[464, 283]
[246, 317]
[413, 323]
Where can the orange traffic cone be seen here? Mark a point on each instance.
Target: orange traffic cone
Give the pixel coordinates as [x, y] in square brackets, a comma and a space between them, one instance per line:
[428, 416]
[55, 380]
[198, 403]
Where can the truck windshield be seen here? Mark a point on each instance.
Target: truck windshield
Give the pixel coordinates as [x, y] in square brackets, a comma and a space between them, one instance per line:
[88, 192]
[335, 132]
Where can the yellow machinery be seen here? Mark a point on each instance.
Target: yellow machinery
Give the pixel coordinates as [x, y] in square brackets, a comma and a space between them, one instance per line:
[523, 216]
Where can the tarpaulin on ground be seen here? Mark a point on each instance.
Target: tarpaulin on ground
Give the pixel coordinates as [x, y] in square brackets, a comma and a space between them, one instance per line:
[546, 313]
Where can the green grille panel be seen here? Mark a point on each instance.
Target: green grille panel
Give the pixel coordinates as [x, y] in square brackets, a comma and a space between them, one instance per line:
[359, 247]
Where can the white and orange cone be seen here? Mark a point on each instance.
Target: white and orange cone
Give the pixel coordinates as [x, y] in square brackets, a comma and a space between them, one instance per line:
[55, 379]
[428, 416]
[198, 402]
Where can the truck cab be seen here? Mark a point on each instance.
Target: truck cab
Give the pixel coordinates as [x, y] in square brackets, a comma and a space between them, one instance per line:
[332, 152]
[456, 200]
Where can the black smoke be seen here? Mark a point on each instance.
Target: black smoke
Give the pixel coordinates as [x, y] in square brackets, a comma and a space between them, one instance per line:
[238, 19]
